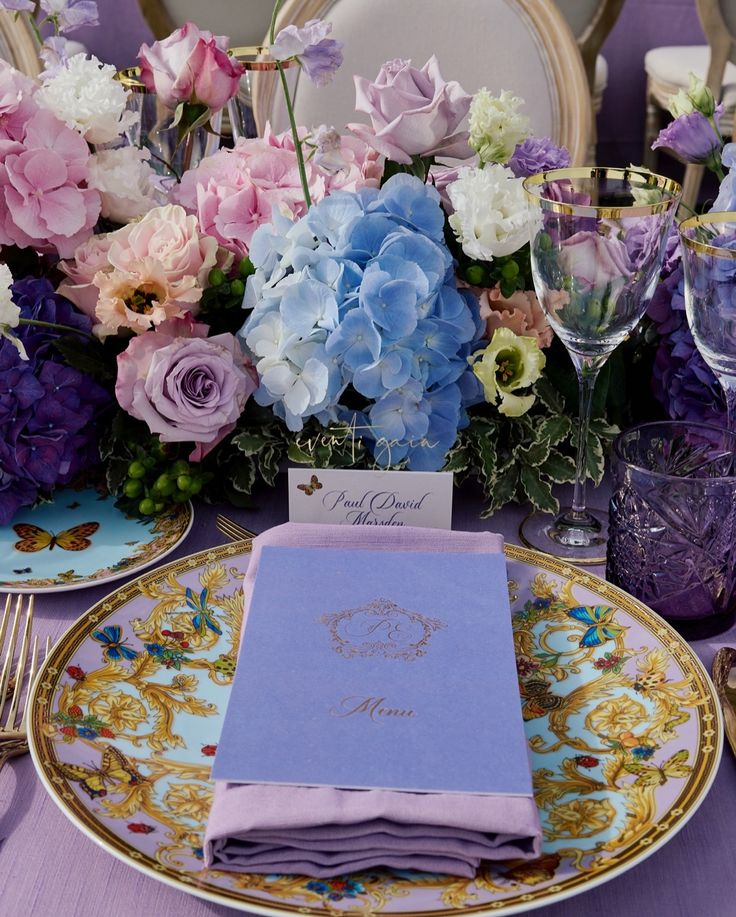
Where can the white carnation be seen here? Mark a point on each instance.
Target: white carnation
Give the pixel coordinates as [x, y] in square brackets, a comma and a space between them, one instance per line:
[496, 126]
[125, 181]
[491, 217]
[9, 312]
[84, 95]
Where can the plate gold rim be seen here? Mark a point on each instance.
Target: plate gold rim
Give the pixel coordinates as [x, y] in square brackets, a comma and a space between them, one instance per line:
[686, 804]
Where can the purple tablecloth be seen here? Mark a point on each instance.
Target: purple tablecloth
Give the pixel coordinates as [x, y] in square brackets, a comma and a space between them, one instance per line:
[48, 868]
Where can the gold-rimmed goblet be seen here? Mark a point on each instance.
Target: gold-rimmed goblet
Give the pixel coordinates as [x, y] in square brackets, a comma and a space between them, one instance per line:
[255, 60]
[709, 260]
[598, 237]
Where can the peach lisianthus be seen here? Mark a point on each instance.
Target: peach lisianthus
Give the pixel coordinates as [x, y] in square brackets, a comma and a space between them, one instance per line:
[142, 297]
[520, 312]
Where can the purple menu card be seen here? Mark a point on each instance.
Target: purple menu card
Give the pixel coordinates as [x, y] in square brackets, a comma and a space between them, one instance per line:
[372, 669]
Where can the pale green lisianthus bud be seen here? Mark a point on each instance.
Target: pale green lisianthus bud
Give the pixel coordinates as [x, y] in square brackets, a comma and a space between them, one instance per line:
[496, 126]
[697, 97]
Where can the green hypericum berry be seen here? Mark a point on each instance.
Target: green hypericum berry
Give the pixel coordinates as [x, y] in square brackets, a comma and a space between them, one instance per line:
[246, 268]
[475, 275]
[510, 270]
[217, 277]
[544, 241]
[157, 507]
[180, 466]
[184, 482]
[237, 288]
[149, 462]
[133, 488]
[147, 507]
[161, 483]
[196, 486]
[136, 470]
[180, 497]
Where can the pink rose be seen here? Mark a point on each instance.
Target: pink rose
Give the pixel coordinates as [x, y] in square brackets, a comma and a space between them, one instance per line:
[190, 66]
[46, 206]
[186, 389]
[596, 260]
[89, 259]
[413, 112]
[171, 237]
[521, 313]
[17, 105]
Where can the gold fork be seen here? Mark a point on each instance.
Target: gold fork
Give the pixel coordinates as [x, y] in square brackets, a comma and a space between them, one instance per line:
[232, 530]
[13, 716]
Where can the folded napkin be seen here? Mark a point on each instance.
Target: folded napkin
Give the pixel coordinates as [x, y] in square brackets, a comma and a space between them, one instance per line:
[326, 831]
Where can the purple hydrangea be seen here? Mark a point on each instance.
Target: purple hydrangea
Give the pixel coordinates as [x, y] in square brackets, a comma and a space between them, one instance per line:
[682, 381]
[692, 138]
[538, 154]
[48, 410]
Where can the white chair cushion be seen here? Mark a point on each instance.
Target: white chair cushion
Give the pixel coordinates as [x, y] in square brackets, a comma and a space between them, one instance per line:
[671, 66]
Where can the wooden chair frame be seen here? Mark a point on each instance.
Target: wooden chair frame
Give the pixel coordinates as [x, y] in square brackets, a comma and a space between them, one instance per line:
[590, 41]
[19, 43]
[574, 115]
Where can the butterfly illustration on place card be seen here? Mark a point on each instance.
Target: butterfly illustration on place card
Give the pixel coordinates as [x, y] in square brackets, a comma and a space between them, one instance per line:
[33, 538]
[309, 489]
[115, 770]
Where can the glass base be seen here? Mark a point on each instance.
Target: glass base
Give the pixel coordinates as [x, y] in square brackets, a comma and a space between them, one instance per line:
[579, 538]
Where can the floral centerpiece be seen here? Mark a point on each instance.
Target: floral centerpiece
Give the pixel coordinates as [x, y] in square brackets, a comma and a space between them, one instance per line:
[357, 299]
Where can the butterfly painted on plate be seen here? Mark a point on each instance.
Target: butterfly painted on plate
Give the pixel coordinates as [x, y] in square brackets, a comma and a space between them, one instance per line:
[114, 770]
[23, 570]
[113, 647]
[648, 775]
[538, 698]
[33, 538]
[309, 489]
[203, 620]
[599, 619]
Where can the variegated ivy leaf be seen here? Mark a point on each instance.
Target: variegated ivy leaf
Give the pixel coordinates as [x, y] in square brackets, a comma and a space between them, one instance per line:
[594, 460]
[555, 428]
[501, 490]
[537, 490]
[533, 454]
[558, 468]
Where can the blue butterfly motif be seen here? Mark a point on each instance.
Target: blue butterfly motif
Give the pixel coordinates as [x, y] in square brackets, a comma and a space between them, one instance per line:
[202, 620]
[113, 647]
[599, 619]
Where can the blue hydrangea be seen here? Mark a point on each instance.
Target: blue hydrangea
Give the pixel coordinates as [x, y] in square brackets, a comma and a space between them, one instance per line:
[356, 317]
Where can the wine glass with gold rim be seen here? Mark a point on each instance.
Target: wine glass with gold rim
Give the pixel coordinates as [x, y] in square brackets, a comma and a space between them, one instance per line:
[598, 236]
[709, 261]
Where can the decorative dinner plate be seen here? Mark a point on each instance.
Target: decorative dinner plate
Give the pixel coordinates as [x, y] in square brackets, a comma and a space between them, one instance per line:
[623, 725]
[82, 539]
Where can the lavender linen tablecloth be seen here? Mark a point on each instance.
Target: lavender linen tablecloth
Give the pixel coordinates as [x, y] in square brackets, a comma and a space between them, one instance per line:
[48, 868]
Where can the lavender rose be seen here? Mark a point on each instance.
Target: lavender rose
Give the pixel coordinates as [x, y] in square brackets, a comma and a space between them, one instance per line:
[595, 260]
[186, 389]
[413, 112]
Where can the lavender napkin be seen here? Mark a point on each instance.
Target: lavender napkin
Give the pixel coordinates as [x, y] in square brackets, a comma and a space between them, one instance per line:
[326, 831]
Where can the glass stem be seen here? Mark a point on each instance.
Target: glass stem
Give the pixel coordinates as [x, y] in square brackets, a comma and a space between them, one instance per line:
[729, 390]
[587, 369]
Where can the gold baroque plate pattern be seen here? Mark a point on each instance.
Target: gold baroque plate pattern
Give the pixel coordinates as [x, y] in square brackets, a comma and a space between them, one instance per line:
[622, 721]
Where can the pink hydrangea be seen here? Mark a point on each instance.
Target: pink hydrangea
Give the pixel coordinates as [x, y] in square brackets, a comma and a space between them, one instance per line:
[17, 105]
[520, 313]
[43, 177]
[235, 191]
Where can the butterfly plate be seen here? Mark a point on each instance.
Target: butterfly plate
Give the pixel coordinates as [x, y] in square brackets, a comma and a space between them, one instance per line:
[623, 724]
[82, 539]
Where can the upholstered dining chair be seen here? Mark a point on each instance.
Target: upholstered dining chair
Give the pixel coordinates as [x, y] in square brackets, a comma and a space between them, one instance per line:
[590, 22]
[245, 22]
[521, 45]
[17, 43]
[668, 70]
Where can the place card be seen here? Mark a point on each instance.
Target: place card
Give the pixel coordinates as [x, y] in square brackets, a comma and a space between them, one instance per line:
[377, 669]
[347, 497]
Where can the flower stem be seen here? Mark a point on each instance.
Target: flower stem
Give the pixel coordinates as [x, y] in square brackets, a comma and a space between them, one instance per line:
[55, 327]
[274, 14]
[295, 135]
[34, 27]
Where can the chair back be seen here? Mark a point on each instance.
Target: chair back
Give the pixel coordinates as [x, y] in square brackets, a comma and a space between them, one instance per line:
[18, 44]
[521, 45]
[590, 22]
[718, 19]
[245, 22]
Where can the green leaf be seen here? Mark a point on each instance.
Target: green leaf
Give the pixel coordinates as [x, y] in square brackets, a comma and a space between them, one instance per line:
[555, 428]
[249, 443]
[458, 460]
[86, 355]
[501, 490]
[534, 453]
[268, 464]
[485, 449]
[537, 490]
[295, 453]
[603, 429]
[548, 395]
[594, 461]
[242, 474]
[558, 467]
